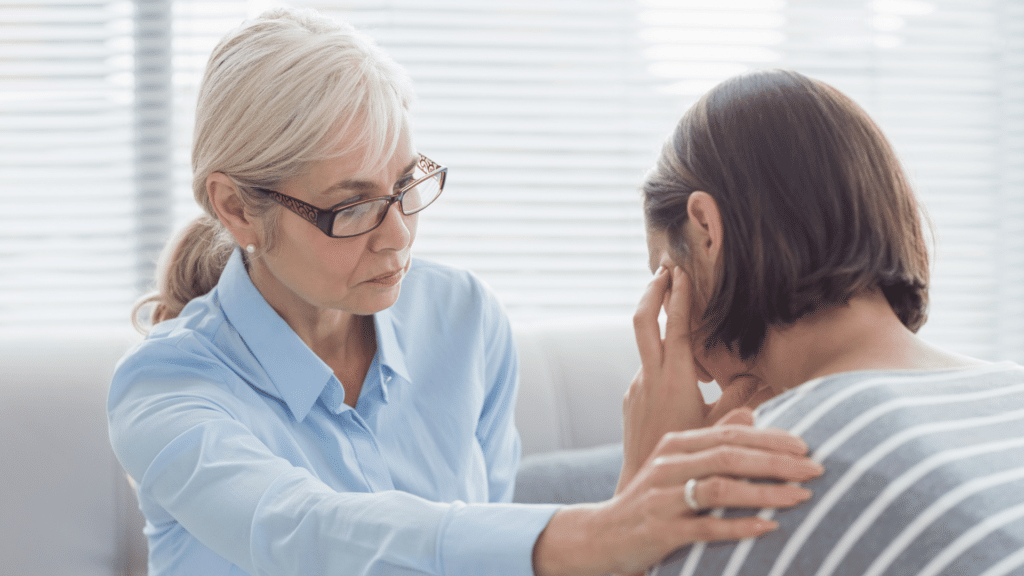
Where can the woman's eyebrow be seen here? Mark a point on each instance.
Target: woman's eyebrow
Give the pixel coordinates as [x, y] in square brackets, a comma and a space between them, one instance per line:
[357, 185]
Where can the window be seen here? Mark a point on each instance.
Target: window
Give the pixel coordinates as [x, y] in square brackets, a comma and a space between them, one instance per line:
[67, 223]
[547, 112]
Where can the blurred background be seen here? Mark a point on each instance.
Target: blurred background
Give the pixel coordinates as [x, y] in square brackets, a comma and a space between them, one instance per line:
[547, 113]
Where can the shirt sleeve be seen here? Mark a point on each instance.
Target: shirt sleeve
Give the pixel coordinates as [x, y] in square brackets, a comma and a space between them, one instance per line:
[496, 430]
[178, 429]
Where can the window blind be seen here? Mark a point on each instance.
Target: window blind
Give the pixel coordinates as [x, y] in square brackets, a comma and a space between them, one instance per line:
[1009, 331]
[548, 116]
[548, 113]
[66, 163]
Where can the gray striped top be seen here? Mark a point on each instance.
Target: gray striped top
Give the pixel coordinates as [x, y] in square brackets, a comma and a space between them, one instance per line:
[924, 475]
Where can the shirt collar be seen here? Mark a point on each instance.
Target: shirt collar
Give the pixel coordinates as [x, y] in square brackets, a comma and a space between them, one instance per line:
[297, 374]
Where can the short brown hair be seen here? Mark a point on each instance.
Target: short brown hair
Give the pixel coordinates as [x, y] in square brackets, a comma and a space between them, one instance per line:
[815, 206]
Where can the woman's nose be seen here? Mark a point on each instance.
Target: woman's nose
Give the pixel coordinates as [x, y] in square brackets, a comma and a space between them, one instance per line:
[393, 233]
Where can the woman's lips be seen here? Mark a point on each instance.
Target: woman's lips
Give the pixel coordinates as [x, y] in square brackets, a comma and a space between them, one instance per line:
[389, 279]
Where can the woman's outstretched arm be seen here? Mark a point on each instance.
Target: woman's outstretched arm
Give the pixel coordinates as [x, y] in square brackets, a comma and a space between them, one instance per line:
[649, 516]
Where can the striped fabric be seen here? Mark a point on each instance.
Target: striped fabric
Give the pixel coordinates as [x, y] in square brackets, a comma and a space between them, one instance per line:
[924, 475]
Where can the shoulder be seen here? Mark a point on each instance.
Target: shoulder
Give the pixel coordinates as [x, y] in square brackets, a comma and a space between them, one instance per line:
[184, 355]
[435, 277]
[841, 396]
[898, 446]
[455, 292]
[190, 333]
[450, 308]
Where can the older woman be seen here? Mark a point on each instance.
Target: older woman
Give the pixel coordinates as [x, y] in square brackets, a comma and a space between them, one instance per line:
[291, 413]
[792, 264]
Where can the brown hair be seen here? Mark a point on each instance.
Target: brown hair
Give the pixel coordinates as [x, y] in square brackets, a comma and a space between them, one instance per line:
[815, 206]
[281, 91]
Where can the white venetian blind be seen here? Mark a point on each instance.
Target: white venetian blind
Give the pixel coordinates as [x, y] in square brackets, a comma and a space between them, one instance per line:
[937, 76]
[547, 113]
[548, 116]
[66, 163]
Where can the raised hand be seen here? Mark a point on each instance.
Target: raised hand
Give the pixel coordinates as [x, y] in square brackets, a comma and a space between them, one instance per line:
[664, 395]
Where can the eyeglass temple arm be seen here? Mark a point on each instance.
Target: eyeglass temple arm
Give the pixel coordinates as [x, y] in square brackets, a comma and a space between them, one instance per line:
[310, 213]
[428, 165]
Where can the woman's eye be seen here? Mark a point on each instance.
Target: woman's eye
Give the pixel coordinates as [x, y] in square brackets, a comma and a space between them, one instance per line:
[404, 182]
[354, 212]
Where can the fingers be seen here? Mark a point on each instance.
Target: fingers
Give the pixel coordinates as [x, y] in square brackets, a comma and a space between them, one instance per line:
[744, 391]
[712, 529]
[738, 416]
[763, 394]
[722, 492]
[677, 312]
[645, 321]
[735, 461]
[770, 439]
[679, 518]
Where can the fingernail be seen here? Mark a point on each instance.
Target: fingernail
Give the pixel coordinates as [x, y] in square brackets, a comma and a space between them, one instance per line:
[797, 440]
[812, 467]
[765, 525]
[793, 445]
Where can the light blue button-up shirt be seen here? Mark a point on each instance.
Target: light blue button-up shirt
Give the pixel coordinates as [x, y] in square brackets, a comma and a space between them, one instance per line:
[248, 460]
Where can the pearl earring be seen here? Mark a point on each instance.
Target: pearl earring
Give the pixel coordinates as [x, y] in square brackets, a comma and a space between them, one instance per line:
[251, 249]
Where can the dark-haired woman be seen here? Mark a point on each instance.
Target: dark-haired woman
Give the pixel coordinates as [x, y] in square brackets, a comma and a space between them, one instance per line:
[788, 253]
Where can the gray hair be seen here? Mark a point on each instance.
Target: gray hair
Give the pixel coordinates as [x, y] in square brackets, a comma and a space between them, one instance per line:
[281, 91]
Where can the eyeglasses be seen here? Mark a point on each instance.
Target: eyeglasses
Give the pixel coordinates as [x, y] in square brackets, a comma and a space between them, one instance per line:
[355, 217]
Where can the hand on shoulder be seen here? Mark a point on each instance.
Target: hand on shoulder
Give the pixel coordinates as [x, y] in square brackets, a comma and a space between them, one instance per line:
[649, 516]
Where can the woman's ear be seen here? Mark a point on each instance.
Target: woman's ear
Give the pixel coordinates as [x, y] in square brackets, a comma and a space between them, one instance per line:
[227, 204]
[706, 228]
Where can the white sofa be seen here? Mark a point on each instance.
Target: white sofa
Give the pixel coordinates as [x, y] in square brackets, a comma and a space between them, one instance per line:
[66, 508]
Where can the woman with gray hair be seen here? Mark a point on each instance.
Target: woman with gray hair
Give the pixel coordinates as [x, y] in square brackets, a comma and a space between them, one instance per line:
[291, 413]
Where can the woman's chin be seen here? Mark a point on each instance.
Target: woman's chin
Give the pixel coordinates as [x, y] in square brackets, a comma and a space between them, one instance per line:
[378, 299]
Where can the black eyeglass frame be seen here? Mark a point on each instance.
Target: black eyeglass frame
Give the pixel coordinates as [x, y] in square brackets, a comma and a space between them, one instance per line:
[324, 218]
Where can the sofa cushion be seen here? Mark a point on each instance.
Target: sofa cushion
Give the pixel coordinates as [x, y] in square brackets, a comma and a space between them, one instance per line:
[569, 476]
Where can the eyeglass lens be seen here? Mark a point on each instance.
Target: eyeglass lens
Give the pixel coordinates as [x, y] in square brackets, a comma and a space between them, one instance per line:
[364, 217]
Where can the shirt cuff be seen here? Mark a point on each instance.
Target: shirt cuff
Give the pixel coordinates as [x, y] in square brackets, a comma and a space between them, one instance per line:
[492, 539]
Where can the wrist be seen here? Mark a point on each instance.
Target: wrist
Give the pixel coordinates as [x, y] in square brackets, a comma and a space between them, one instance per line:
[565, 546]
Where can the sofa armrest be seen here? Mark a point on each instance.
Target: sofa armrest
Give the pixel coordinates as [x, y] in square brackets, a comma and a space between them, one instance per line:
[66, 506]
[572, 378]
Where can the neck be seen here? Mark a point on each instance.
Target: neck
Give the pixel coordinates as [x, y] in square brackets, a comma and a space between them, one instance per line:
[864, 334]
[336, 336]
